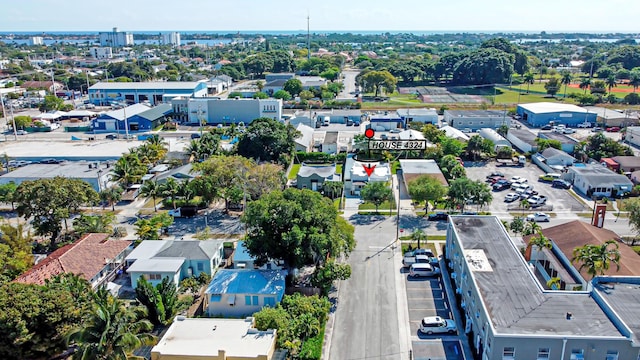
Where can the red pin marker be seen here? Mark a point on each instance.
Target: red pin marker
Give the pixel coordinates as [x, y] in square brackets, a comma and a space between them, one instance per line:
[369, 133]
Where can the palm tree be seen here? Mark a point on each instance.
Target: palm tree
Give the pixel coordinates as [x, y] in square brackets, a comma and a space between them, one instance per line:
[554, 282]
[597, 258]
[584, 84]
[111, 196]
[611, 81]
[529, 79]
[566, 80]
[171, 188]
[539, 241]
[530, 228]
[524, 204]
[634, 79]
[155, 139]
[111, 332]
[151, 189]
[194, 149]
[86, 224]
[418, 235]
[128, 170]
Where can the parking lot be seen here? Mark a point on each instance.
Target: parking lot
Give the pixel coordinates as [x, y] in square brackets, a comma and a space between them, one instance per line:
[559, 199]
[426, 297]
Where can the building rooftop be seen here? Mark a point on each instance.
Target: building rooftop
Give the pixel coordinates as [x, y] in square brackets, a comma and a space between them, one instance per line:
[149, 85]
[549, 107]
[622, 295]
[85, 257]
[524, 135]
[241, 253]
[627, 161]
[411, 135]
[168, 265]
[71, 169]
[189, 249]
[551, 152]
[204, 338]
[578, 233]
[307, 135]
[156, 112]
[564, 139]
[129, 111]
[452, 132]
[513, 298]
[230, 281]
[322, 171]
[600, 174]
[476, 113]
[330, 138]
[413, 168]
[605, 113]
[416, 112]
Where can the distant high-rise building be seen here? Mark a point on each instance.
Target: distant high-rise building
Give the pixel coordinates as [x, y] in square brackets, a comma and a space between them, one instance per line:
[35, 40]
[101, 52]
[116, 38]
[172, 38]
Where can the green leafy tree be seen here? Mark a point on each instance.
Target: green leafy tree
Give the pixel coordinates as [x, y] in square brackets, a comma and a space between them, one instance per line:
[375, 81]
[260, 95]
[426, 188]
[333, 188]
[531, 227]
[585, 84]
[23, 121]
[324, 276]
[484, 66]
[225, 174]
[34, 320]
[463, 190]
[293, 87]
[171, 189]
[539, 241]
[268, 140]
[306, 230]
[451, 146]
[432, 133]
[376, 192]
[611, 82]
[475, 146]
[282, 94]
[597, 259]
[517, 225]
[7, 193]
[529, 78]
[633, 207]
[451, 168]
[15, 252]
[111, 332]
[552, 86]
[100, 223]
[566, 80]
[128, 170]
[48, 202]
[634, 79]
[306, 95]
[51, 103]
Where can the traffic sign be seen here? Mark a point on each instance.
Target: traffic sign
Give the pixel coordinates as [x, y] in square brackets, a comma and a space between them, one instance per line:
[397, 144]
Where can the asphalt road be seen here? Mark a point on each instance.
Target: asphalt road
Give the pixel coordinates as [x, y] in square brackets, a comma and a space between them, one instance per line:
[366, 320]
[349, 81]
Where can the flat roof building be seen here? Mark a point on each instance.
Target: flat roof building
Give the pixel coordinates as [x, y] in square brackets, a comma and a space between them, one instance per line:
[115, 38]
[215, 339]
[154, 92]
[94, 173]
[509, 315]
[540, 114]
[476, 119]
[232, 111]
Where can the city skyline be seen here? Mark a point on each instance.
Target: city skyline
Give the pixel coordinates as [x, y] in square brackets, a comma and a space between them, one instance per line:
[330, 15]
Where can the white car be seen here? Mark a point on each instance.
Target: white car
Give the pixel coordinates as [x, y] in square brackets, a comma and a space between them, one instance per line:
[584, 125]
[511, 197]
[568, 131]
[437, 325]
[518, 179]
[539, 217]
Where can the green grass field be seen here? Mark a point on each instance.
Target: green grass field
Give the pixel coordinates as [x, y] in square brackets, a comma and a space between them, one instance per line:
[294, 172]
[384, 206]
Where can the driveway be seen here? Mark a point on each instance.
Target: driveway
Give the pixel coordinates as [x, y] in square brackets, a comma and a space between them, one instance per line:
[218, 222]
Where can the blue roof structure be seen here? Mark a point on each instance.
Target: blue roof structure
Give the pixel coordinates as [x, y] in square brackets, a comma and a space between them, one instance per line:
[227, 281]
[242, 254]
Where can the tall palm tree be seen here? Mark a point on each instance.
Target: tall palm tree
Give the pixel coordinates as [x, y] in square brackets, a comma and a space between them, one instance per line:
[611, 82]
[597, 258]
[531, 227]
[155, 139]
[151, 189]
[171, 188]
[111, 332]
[584, 84]
[419, 235]
[111, 196]
[524, 204]
[529, 79]
[194, 149]
[128, 170]
[634, 79]
[566, 80]
[539, 241]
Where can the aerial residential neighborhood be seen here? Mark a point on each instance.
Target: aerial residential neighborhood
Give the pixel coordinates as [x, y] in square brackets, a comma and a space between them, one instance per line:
[306, 195]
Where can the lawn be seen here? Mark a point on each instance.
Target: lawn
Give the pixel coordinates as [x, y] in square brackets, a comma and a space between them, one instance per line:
[294, 171]
[423, 245]
[385, 206]
[339, 169]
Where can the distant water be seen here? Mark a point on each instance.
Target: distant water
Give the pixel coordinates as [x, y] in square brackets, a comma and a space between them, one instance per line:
[48, 42]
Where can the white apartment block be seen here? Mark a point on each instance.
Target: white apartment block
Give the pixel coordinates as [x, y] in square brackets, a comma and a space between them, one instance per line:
[101, 52]
[172, 38]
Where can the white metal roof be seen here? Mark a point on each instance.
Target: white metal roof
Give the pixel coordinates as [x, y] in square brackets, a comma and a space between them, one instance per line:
[549, 107]
[149, 85]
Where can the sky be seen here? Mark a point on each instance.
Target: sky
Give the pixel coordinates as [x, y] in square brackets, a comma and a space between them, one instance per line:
[325, 15]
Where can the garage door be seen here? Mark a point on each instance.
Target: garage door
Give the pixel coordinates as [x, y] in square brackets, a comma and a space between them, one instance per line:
[110, 125]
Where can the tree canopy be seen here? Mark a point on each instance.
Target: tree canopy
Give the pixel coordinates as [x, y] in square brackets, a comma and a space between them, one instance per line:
[426, 188]
[376, 192]
[268, 140]
[300, 227]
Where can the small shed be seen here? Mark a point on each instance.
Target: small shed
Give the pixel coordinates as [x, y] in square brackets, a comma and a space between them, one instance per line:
[497, 139]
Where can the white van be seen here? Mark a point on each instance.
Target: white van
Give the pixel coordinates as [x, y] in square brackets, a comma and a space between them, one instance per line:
[326, 121]
[423, 269]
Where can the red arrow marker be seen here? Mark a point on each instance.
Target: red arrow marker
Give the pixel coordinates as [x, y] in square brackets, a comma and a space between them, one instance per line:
[369, 169]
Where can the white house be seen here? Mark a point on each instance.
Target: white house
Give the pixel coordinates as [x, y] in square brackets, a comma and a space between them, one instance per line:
[305, 141]
[355, 176]
[555, 157]
[476, 119]
[597, 180]
[241, 292]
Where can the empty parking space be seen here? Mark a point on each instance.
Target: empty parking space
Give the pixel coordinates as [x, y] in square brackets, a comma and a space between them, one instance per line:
[437, 349]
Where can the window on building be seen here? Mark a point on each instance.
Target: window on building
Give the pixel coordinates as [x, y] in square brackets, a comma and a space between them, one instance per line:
[153, 276]
[543, 353]
[577, 354]
[270, 301]
[508, 353]
[247, 300]
[612, 355]
[255, 300]
[200, 266]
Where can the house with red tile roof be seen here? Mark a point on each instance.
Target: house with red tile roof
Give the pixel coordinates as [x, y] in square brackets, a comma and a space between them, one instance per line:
[94, 257]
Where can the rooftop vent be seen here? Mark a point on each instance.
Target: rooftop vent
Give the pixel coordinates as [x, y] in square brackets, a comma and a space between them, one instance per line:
[180, 318]
[569, 315]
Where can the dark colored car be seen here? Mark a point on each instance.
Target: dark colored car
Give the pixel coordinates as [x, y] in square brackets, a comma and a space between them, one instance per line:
[111, 136]
[195, 136]
[495, 174]
[561, 184]
[546, 127]
[438, 216]
[501, 185]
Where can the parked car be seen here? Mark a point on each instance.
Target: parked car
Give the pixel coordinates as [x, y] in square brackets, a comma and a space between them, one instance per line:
[423, 270]
[585, 125]
[546, 127]
[528, 193]
[21, 132]
[537, 200]
[539, 217]
[437, 325]
[195, 136]
[501, 185]
[549, 177]
[495, 174]
[561, 184]
[516, 179]
[596, 129]
[511, 197]
[438, 216]
[613, 129]
[111, 136]
[568, 131]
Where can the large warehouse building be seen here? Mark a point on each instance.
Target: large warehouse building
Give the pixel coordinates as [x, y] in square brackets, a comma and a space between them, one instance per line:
[155, 92]
[474, 120]
[540, 114]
